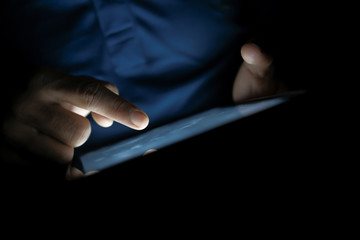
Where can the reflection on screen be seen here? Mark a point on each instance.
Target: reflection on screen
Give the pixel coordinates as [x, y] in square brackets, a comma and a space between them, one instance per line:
[171, 133]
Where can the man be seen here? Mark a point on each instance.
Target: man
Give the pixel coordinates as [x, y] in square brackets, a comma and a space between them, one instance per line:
[137, 63]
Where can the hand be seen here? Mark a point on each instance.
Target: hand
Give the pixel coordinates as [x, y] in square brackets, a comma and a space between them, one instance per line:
[49, 119]
[255, 77]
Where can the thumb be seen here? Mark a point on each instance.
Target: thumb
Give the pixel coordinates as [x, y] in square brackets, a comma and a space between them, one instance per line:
[255, 76]
[255, 59]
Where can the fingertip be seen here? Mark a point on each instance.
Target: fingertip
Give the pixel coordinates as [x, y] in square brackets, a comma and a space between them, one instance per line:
[253, 54]
[73, 173]
[101, 120]
[105, 122]
[112, 87]
[140, 119]
[250, 52]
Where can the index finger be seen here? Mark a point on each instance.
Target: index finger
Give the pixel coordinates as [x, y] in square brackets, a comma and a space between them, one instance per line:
[96, 96]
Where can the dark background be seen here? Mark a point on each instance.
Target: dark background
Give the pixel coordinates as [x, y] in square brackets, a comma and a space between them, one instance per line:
[280, 151]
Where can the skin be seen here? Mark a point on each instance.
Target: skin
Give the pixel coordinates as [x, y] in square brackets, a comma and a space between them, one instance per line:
[255, 77]
[50, 118]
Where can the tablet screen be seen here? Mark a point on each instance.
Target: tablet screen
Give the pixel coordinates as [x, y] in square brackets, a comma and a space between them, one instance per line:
[171, 133]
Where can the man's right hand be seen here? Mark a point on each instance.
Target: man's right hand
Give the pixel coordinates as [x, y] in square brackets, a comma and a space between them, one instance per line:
[49, 119]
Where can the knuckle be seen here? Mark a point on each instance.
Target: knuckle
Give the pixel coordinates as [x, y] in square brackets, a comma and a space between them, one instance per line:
[120, 105]
[39, 116]
[91, 91]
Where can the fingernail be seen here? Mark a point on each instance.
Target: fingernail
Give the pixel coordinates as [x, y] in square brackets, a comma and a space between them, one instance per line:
[139, 118]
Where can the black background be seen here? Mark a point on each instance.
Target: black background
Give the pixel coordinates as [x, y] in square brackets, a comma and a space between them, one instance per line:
[282, 153]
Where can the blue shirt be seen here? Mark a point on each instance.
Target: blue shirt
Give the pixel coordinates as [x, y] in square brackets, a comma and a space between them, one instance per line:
[171, 58]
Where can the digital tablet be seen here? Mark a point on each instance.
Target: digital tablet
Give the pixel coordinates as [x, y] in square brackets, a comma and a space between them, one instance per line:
[174, 132]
